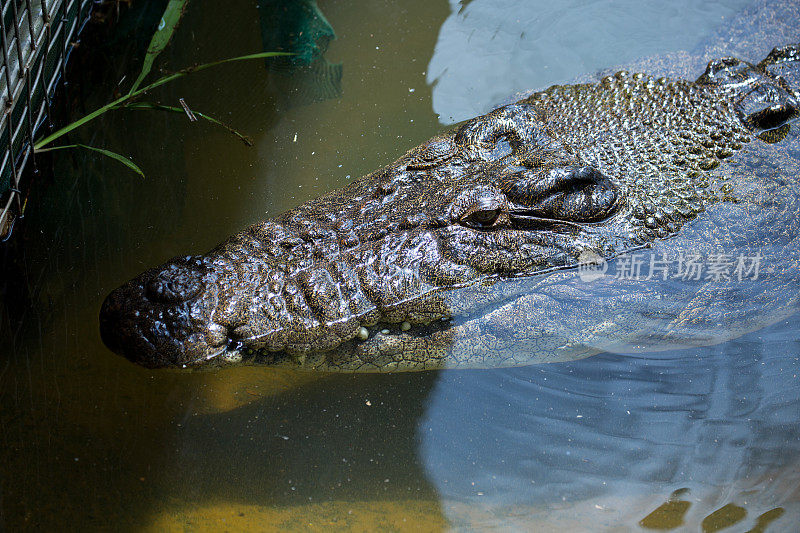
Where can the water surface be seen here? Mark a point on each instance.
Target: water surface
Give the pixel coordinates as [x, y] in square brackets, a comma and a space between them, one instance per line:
[90, 441]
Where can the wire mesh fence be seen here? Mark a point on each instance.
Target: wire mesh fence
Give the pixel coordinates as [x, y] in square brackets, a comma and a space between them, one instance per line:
[36, 37]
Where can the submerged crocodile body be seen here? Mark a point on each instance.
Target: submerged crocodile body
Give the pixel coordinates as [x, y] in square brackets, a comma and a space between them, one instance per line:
[465, 251]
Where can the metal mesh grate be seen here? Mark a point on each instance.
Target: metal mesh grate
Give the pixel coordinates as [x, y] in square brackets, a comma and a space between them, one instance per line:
[36, 40]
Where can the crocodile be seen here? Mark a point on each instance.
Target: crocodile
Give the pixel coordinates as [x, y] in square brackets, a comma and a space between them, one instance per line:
[471, 249]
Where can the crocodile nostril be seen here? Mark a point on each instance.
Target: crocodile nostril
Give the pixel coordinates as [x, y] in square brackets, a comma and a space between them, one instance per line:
[174, 284]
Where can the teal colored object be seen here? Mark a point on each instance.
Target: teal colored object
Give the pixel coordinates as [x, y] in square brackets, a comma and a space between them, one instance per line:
[299, 27]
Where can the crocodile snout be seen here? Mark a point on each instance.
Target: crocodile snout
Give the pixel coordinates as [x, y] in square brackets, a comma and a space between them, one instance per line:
[164, 317]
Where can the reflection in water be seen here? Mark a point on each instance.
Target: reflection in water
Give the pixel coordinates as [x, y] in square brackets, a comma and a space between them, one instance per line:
[607, 436]
[518, 46]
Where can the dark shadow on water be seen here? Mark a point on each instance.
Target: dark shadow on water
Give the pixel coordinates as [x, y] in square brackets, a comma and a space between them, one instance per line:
[342, 438]
[138, 448]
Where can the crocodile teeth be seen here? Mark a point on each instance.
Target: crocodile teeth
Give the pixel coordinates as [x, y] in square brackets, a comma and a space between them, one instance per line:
[232, 357]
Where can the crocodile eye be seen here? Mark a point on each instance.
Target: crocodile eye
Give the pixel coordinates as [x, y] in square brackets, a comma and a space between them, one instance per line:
[481, 207]
[481, 218]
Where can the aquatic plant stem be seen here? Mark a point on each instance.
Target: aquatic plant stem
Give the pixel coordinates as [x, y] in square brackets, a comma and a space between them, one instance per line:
[38, 145]
[114, 155]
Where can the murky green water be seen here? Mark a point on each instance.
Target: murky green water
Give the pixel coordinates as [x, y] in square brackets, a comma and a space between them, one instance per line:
[90, 441]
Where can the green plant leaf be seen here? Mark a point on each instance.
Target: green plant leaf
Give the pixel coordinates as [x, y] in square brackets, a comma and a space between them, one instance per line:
[158, 107]
[108, 153]
[166, 28]
[38, 145]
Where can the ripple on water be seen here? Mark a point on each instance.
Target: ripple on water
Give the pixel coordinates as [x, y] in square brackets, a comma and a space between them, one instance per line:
[616, 426]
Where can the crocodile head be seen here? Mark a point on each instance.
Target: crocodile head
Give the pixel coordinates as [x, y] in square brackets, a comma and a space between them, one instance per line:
[382, 274]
